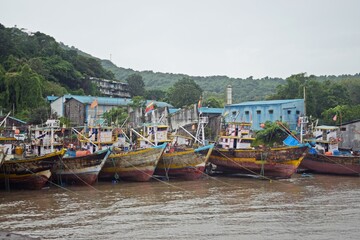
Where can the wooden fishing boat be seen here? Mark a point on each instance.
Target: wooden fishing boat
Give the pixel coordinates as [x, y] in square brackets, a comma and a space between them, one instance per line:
[279, 162]
[28, 172]
[339, 165]
[184, 163]
[234, 154]
[326, 157]
[81, 169]
[135, 165]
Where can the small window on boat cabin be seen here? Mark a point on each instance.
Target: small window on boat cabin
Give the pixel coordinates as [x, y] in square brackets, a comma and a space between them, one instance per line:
[271, 111]
[258, 111]
[289, 111]
[343, 129]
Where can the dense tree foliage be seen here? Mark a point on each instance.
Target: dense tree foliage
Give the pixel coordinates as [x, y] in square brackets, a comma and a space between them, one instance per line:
[34, 65]
[116, 116]
[322, 97]
[271, 134]
[156, 94]
[136, 85]
[215, 86]
[213, 102]
[184, 92]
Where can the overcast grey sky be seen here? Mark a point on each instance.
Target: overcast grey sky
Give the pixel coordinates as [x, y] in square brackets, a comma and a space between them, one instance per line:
[237, 38]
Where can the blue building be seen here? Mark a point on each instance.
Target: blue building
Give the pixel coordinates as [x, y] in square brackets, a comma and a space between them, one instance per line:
[259, 112]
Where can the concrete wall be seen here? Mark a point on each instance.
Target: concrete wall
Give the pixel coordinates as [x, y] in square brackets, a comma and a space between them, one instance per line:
[187, 118]
[75, 112]
[184, 117]
[58, 107]
[350, 136]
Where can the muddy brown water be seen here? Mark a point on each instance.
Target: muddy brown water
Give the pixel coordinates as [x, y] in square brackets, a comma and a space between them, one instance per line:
[317, 207]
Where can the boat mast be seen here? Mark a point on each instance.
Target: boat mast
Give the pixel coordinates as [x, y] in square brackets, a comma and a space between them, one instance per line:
[52, 124]
[303, 121]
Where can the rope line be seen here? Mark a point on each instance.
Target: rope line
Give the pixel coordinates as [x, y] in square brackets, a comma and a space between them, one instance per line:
[79, 177]
[48, 180]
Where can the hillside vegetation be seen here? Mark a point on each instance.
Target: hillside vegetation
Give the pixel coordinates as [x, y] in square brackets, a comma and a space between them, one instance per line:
[35, 65]
[243, 89]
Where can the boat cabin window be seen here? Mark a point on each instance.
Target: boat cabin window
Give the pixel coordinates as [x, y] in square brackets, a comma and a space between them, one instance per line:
[343, 129]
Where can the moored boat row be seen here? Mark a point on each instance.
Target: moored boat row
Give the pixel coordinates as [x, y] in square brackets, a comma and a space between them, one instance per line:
[232, 154]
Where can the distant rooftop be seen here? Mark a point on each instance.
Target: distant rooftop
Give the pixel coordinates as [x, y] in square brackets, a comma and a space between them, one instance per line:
[109, 100]
[211, 110]
[269, 102]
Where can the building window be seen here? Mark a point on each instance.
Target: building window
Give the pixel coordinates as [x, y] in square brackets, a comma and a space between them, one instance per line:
[343, 129]
[258, 111]
[271, 111]
[289, 111]
[297, 112]
[247, 112]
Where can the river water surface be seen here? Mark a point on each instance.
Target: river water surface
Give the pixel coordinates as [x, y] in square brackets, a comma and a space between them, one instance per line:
[317, 207]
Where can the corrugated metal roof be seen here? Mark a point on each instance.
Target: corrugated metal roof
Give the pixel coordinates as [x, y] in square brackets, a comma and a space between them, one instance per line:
[51, 98]
[103, 100]
[111, 101]
[269, 102]
[211, 110]
[325, 127]
[159, 104]
[174, 110]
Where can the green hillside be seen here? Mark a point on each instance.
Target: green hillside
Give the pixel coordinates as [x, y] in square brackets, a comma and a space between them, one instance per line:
[35, 65]
[243, 89]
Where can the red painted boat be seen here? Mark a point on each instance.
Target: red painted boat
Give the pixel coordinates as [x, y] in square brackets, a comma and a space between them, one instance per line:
[339, 165]
[326, 158]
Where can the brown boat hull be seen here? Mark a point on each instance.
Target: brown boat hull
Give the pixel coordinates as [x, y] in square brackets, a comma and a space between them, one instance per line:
[272, 163]
[26, 181]
[187, 164]
[136, 165]
[82, 170]
[28, 173]
[338, 165]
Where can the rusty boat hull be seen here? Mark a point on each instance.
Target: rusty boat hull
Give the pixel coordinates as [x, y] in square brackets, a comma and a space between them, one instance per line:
[280, 162]
[28, 173]
[187, 164]
[136, 165]
[81, 170]
[337, 165]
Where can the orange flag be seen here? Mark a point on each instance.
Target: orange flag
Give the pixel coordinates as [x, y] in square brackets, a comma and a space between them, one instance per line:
[94, 103]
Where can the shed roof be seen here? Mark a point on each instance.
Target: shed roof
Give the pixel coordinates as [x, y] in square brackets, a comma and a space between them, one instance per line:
[269, 102]
[51, 98]
[211, 110]
[110, 101]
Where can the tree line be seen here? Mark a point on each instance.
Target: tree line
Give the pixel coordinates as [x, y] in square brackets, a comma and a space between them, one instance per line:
[34, 65]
